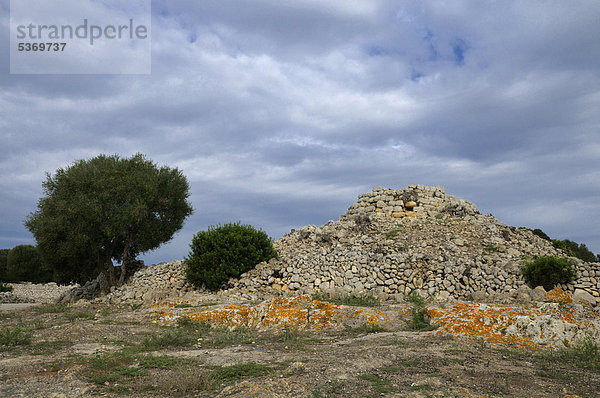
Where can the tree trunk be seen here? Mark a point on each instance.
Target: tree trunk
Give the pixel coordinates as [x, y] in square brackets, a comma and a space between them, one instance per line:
[110, 268]
[124, 263]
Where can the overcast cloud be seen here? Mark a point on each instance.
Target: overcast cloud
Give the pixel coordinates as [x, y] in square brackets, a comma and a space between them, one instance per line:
[281, 112]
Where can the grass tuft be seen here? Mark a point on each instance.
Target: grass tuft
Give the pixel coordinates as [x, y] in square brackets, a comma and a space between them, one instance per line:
[51, 308]
[17, 336]
[73, 316]
[357, 300]
[584, 356]
[419, 322]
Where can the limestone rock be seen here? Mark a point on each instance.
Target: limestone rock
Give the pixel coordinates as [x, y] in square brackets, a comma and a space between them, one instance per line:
[584, 298]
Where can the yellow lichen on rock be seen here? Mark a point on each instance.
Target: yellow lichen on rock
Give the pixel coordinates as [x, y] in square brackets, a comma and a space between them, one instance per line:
[299, 312]
[557, 295]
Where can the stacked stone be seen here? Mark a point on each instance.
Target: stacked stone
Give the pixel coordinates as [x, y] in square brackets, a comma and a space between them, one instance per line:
[414, 201]
[440, 253]
[28, 292]
[152, 284]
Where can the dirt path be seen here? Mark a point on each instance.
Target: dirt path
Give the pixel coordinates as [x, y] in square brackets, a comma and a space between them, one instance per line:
[16, 307]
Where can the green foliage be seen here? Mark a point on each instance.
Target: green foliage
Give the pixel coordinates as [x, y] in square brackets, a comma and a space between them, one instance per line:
[107, 208]
[419, 322]
[51, 308]
[80, 315]
[3, 262]
[358, 300]
[226, 251]
[416, 299]
[10, 337]
[584, 355]
[170, 339]
[24, 263]
[239, 371]
[380, 385]
[574, 249]
[490, 249]
[541, 234]
[5, 288]
[547, 271]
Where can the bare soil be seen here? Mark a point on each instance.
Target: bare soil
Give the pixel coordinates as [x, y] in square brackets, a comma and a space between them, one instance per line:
[100, 351]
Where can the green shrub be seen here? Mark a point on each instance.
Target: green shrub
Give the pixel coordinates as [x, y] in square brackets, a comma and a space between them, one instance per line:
[226, 251]
[541, 234]
[548, 271]
[5, 288]
[14, 336]
[3, 261]
[24, 263]
[419, 322]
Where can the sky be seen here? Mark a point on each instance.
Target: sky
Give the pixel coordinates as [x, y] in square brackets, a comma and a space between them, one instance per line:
[280, 113]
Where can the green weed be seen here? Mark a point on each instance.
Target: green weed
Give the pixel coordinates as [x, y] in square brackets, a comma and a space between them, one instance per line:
[358, 300]
[51, 308]
[17, 336]
[379, 385]
[73, 316]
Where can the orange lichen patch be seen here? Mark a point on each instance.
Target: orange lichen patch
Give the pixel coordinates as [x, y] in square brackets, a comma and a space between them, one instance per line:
[322, 315]
[229, 315]
[287, 311]
[557, 295]
[298, 312]
[473, 320]
[522, 327]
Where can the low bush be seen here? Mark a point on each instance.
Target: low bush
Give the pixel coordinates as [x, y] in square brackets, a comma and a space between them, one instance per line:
[548, 271]
[225, 252]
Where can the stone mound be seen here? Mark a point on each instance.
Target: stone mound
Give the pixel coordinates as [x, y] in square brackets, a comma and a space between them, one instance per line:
[417, 238]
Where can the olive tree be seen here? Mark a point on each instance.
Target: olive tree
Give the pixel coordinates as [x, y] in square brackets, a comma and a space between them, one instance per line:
[107, 209]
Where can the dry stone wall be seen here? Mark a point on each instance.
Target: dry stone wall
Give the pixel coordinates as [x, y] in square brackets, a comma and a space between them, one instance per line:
[28, 292]
[414, 201]
[152, 284]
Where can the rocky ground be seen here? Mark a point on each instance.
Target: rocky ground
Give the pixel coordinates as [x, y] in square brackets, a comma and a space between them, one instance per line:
[107, 350]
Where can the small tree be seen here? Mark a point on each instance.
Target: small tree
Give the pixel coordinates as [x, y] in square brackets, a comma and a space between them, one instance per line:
[575, 249]
[104, 209]
[24, 264]
[226, 251]
[548, 271]
[3, 262]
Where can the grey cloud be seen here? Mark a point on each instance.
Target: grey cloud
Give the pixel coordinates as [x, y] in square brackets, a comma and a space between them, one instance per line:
[280, 115]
